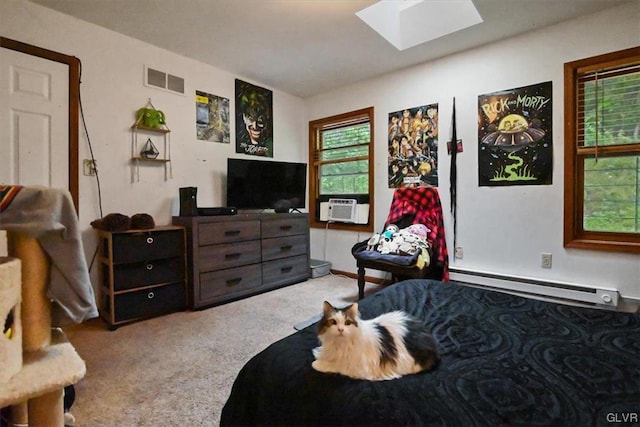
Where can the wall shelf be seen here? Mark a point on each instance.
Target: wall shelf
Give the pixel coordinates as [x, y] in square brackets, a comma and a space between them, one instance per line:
[147, 133]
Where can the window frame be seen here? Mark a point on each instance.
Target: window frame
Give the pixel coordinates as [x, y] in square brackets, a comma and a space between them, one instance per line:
[315, 126]
[574, 234]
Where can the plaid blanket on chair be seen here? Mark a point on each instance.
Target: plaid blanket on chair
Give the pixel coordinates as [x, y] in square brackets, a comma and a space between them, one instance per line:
[421, 205]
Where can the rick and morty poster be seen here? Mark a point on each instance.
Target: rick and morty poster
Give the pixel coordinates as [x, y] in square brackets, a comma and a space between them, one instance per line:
[515, 144]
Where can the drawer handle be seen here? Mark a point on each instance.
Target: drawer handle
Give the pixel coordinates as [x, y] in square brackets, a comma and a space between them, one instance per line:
[286, 269]
[234, 282]
[151, 295]
[149, 240]
[232, 232]
[149, 267]
[286, 248]
[285, 227]
[235, 256]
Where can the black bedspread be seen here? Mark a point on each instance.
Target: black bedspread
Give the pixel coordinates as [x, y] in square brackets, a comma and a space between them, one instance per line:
[506, 360]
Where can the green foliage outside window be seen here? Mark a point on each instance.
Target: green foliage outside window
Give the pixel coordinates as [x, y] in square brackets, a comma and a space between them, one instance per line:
[611, 194]
[610, 117]
[345, 147]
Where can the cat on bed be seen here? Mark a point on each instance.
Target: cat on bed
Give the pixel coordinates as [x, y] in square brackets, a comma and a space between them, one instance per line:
[383, 348]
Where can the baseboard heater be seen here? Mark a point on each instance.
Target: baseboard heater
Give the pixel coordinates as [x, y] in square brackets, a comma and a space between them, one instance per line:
[565, 291]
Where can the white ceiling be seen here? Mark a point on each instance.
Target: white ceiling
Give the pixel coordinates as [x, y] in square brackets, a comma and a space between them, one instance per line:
[305, 47]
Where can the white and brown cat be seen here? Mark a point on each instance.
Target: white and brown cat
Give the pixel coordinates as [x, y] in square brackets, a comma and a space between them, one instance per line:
[383, 348]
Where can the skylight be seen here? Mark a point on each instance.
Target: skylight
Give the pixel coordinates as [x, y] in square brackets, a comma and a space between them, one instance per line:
[409, 23]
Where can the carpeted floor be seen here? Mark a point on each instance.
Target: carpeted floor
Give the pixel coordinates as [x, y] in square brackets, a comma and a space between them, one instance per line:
[178, 369]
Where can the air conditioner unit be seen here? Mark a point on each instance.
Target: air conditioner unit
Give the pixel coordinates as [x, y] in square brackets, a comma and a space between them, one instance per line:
[342, 210]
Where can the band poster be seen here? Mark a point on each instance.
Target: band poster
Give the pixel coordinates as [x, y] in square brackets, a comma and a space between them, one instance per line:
[413, 147]
[515, 141]
[212, 118]
[254, 120]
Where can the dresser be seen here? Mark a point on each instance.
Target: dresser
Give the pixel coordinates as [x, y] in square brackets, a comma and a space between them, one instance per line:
[142, 273]
[235, 256]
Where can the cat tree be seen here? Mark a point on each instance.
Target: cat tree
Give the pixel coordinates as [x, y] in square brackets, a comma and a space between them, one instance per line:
[36, 360]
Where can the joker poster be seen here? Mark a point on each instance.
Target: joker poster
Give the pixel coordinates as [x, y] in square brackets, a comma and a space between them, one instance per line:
[254, 120]
[515, 141]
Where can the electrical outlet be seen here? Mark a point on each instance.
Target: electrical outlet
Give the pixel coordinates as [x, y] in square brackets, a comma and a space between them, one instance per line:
[545, 260]
[459, 253]
[89, 167]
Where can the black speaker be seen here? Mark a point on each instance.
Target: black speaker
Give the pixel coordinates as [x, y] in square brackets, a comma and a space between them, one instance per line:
[188, 201]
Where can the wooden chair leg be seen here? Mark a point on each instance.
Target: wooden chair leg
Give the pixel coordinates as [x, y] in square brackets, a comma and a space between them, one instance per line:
[360, 282]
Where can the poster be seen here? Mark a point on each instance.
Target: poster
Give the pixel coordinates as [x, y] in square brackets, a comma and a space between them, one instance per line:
[212, 118]
[413, 146]
[254, 120]
[515, 143]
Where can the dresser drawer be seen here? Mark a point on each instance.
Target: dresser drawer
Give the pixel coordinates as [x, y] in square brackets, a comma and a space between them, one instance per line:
[283, 247]
[148, 245]
[219, 257]
[229, 282]
[227, 232]
[286, 226]
[283, 271]
[129, 276]
[149, 302]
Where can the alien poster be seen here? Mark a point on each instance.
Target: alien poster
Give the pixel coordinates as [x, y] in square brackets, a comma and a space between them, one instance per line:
[254, 120]
[515, 143]
[413, 147]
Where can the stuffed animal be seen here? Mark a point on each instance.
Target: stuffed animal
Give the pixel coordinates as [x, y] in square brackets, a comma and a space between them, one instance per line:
[378, 239]
[408, 241]
[150, 117]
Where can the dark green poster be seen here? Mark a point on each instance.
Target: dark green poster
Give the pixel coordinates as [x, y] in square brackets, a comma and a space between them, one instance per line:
[515, 141]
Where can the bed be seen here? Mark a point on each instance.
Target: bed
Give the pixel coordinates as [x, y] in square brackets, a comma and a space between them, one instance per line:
[505, 360]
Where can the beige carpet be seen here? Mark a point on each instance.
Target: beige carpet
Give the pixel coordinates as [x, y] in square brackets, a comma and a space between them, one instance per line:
[177, 370]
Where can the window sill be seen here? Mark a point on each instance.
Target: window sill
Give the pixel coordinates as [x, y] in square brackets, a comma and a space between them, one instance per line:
[604, 245]
[342, 226]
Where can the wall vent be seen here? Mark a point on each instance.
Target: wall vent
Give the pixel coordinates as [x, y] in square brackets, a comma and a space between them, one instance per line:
[161, 80]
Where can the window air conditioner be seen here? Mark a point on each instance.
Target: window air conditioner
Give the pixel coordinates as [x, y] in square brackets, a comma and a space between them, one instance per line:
[342, 210]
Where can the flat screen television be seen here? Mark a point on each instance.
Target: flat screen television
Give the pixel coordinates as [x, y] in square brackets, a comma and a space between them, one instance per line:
[264, 184]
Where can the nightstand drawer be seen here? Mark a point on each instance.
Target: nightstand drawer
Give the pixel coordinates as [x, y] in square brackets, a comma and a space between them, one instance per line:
[230, 282]
[285, 270]
[129, 276]
[149, 302]
[144, 246]
[287, 226]
[219, 257]
[283, 247]
[227, 232]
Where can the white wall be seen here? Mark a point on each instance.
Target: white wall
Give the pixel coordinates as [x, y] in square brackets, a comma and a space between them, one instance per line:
[112, 90]
[502, 230]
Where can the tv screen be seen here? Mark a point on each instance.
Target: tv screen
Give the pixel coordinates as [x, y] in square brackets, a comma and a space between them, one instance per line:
[263, 184]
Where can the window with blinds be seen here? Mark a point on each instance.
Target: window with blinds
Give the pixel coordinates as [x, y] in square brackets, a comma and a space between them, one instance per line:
[602, 152]
[341, 155]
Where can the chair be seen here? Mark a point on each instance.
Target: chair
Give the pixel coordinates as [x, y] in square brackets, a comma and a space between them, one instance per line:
[410, 205]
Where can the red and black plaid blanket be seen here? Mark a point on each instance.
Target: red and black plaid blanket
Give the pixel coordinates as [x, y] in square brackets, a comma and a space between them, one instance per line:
[421, 205]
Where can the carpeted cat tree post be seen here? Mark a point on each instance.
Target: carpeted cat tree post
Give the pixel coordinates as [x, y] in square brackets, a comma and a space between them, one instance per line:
[36, 361]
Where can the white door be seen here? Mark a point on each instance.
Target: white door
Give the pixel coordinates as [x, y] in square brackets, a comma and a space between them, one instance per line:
[34, 122]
